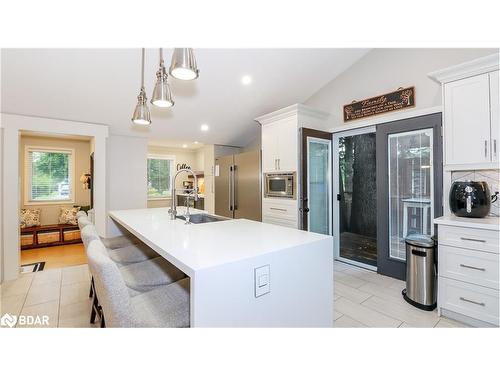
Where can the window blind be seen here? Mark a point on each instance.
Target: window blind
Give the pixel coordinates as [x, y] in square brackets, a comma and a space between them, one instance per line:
[49, 175]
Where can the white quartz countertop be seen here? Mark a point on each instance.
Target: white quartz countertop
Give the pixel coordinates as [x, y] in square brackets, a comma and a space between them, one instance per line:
[490, 223]
[197, 246]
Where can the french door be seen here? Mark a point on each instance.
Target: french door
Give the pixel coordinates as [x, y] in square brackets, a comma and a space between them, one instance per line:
[354, 190]
[315, 206]
[409, 186]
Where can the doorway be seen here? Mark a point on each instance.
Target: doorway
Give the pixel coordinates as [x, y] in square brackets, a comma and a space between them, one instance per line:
[355, 206]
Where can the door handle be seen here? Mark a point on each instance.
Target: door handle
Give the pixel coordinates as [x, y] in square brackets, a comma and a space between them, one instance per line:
[230, 188]
[235, 198]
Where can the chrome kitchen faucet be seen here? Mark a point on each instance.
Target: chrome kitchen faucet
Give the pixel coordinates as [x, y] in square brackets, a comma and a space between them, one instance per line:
[173, 209]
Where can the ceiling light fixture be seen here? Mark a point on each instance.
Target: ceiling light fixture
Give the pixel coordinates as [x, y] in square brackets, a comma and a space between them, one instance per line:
[183, 64]
[246, 80]
[162, 95]
[204, 127]
[141, 114]
[196, 142]
[184, 145]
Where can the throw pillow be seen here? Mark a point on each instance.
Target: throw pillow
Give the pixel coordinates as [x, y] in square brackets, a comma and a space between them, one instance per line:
[68, 215]
[30, 217]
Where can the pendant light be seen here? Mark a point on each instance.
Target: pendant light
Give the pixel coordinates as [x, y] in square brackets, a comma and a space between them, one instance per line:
[141, 113]
[162, 95]
[183, 64]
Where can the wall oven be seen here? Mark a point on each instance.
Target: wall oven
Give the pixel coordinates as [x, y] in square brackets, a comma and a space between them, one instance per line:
[280, 185]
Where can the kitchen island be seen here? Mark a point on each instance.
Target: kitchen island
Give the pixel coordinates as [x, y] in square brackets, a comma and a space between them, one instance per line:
[243, 273]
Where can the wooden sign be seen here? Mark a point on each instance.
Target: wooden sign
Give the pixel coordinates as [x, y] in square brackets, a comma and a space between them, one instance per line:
[393, 101]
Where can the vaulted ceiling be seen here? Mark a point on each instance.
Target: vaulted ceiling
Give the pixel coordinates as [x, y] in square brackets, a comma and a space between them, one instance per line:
[101, 86]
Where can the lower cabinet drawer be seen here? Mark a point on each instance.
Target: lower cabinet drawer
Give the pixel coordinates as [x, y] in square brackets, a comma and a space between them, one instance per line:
[471, 266]
[469, 238]
[279, 221]
[285, 209]
[468, 299]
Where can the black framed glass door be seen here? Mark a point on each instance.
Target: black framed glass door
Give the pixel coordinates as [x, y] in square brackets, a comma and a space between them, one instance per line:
[409, 186]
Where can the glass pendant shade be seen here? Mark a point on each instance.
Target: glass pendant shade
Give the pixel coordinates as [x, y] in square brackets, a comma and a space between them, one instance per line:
[183, 64]
[141, 113]
[162, 95]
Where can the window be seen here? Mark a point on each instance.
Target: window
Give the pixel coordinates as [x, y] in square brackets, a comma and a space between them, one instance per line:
[49, 175]
[160, 169]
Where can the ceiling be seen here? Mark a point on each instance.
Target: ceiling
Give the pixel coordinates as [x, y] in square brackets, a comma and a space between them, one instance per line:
[101, 86]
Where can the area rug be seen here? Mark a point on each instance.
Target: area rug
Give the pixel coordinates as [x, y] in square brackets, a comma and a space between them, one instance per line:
[32, 267]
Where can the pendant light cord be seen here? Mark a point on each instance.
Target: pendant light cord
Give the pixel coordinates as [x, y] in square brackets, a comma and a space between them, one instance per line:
[142, 69]
[161, 57]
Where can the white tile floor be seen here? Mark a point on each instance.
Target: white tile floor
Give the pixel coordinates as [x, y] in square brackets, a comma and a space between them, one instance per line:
[362, 299]
[366, 299]
[62, 294]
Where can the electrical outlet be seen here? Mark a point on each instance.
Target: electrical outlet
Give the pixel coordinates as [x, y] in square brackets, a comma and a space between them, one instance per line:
[262, 280]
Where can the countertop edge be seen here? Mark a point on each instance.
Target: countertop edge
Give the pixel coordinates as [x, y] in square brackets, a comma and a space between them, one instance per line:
[489, 223]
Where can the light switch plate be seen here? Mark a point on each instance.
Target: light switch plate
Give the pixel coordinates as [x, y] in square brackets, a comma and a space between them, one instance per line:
[262, 280]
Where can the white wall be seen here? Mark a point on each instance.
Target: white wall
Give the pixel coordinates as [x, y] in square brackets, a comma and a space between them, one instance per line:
[127, 176]
[1, 205]
[385, 70]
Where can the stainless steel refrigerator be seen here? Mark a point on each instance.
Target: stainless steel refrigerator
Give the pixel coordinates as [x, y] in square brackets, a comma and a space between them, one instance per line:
[238, 186]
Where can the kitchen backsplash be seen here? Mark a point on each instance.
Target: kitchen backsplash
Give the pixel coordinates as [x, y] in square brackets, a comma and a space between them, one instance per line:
[492, 178]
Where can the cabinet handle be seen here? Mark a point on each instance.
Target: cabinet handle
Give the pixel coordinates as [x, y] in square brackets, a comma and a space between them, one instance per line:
[471, 301]
[279, 164]
[472, 239]
[276, 164]
[277, 209]
[472, 267]
[495, 148]
[485, 149]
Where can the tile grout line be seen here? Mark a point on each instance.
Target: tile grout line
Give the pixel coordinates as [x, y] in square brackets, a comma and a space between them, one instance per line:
[26, 297]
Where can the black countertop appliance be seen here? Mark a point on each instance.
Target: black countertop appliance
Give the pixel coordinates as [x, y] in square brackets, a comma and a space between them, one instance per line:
[470, 198]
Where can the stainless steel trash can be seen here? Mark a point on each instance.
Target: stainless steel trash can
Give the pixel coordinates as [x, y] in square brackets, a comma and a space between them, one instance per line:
[421, 274]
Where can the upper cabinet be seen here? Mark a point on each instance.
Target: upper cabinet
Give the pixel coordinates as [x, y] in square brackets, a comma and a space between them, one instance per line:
[279, 146]
[495, 116]
[467, 121]
[471, 119]
[280, 132]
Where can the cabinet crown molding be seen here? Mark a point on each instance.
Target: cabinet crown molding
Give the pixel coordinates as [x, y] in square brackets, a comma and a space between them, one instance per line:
[292, 110]
[471, 68]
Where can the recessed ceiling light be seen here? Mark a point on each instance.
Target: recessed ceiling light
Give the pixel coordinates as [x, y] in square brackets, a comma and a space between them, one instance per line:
[196, 142]
[184, 145]
[204, 127]
[246, 80]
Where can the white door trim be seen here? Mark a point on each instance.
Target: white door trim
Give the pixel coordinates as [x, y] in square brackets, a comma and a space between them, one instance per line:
[12, 124]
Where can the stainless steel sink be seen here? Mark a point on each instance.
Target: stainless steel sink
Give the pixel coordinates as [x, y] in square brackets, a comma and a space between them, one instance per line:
[202, 218]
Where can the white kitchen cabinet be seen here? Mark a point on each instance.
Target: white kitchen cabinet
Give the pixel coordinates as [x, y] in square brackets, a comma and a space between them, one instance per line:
[470, 114]
[279, 146]
[468, 269]
[495, 115]
[280, 153]
[270, 147]
[467, 121]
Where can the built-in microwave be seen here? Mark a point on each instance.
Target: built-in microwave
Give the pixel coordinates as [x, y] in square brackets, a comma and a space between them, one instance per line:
[280, 185]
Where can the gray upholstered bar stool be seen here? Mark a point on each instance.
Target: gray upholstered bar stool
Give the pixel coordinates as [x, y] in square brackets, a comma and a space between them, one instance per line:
[164, 306]
[139, 277]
